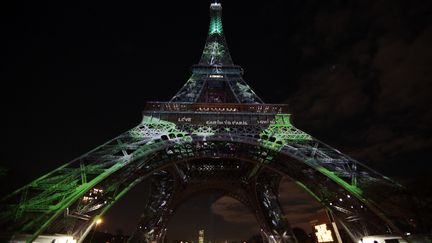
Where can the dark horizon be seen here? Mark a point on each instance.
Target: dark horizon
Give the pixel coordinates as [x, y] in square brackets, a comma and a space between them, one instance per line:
[356, 75]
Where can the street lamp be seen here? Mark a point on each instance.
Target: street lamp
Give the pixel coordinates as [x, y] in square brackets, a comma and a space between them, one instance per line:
[96, 223]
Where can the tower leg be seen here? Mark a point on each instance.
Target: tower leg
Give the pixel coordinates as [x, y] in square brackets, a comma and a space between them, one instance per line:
[276, 228]
[152, 225]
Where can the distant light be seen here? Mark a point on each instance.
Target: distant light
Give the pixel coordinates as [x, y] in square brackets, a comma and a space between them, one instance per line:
[340, 199]
[331, 204]
[348, 196]
[408, 233]
[98, 221]
[323, 234]
[216, 76]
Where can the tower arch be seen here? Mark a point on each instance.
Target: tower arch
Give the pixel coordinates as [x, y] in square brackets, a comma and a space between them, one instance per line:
[260, 164]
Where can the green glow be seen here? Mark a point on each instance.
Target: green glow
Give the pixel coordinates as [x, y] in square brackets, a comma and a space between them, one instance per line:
[282, 120]
[35, 182]
[79, 192]
[353, 189]
[215, 25]
[283, 132]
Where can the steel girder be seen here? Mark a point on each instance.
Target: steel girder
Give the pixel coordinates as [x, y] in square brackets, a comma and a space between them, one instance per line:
[192, 89]
[70, 198]
[266, 189]
[153, 222]
[228, 177]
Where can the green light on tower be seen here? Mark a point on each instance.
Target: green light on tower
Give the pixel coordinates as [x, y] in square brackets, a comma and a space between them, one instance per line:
[215, 19]
[215, 25]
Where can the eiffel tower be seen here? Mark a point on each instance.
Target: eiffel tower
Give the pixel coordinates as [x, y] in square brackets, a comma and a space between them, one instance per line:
[215, 134]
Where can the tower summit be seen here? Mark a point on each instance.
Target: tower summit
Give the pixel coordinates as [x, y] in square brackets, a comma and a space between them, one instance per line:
[215, 79]
[216, 51]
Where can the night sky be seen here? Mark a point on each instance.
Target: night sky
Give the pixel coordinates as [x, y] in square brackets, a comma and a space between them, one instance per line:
[356, 74]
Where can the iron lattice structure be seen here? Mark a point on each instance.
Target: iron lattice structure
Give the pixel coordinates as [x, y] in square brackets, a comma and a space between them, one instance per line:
[215, 134]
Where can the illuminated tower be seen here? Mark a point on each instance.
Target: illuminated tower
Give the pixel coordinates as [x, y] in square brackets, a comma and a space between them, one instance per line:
[201, 236]
[215, 134]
